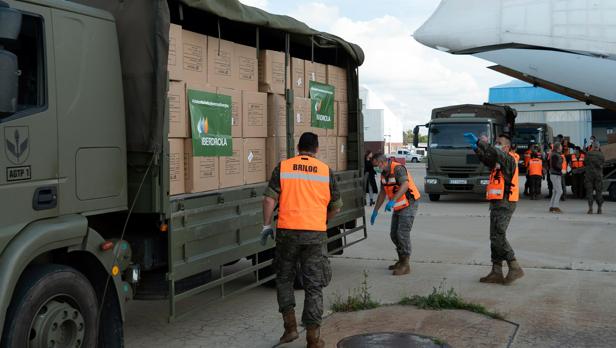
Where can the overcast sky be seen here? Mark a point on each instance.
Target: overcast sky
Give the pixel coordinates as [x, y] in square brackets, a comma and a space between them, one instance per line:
[411, 78]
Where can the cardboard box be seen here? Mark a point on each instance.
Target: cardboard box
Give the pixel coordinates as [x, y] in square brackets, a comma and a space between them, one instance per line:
[254, 158]
[611, 138]
[272, 72]
[178, 116]
[254, 114]
[276, 151]
[236, 111]
[247, 68]
[201, 173]
[332, 153]
[298, 73]
[314, 72]
[232, 167]
[609, 151]
[276, 115]
[337, 77]
[301, 115]
[174, 61]
[194, 57]
[176, 166]
[343, 119]
[334, 131]
[222, 64]
[342, 154]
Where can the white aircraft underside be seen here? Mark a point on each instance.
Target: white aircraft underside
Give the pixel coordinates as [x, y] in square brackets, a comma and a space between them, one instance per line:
[568, 46]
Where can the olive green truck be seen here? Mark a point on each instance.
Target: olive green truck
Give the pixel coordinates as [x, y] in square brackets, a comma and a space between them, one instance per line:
[86, 219]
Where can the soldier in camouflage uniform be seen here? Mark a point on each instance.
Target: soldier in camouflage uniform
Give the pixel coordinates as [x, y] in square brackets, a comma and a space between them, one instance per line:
[501, 210]
[593, 176]
[303, 247]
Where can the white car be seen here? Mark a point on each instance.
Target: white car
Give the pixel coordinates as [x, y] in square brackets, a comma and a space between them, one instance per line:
[409, 155]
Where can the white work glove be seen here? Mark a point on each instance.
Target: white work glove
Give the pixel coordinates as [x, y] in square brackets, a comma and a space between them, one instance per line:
[267, 231]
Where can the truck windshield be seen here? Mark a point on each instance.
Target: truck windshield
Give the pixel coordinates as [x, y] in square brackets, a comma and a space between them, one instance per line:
[527, 136]
[451, 135]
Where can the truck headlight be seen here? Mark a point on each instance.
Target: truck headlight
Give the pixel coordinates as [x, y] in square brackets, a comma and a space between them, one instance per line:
[484, 182]
[431, 181]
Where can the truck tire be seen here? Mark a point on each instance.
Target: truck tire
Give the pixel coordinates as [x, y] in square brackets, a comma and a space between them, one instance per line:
[414, 160]
[53, 305]
[612, 192]
[434, 197]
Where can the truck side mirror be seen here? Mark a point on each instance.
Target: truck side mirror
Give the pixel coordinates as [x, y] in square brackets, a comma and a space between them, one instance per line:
[416, 137]
[9, 75]
[10, 26]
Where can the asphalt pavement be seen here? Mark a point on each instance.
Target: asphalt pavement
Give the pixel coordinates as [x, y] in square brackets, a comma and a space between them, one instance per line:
[566, 298]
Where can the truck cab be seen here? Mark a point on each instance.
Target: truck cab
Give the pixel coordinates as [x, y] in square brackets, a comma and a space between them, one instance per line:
[452, 165]
[528, 135]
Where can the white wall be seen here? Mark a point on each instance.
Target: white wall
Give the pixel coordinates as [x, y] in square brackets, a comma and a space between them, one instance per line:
[374, 125]
[380, 123]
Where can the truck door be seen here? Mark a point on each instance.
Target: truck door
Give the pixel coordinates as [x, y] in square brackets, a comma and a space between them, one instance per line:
[28, 133]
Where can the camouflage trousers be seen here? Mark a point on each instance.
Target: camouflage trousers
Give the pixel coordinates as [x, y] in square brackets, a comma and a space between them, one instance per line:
[594, 184]
[401, 225]
[499, 221]
[294, 255]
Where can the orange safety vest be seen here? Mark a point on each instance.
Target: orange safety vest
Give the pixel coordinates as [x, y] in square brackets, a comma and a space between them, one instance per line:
[304, 194]
[577, 162]
[495, 191]
[391, 187]
[516, 156]
[535, 167]
[564, 163]
[527, 157]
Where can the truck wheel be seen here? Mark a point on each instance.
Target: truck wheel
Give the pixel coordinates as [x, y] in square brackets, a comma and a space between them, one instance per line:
[434, 197]
[612, 193]
[53, 306]
[414, 160]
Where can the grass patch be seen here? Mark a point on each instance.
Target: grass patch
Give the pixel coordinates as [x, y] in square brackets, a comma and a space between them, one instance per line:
[439, 341]
[357, 299]
[440, 299]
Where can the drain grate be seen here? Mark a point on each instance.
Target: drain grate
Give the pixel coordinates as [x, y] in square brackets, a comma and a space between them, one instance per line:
[391, 340]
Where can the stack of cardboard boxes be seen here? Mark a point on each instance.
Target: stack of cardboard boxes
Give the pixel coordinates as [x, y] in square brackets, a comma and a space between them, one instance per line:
[609, 150]
[217, 66]
[332, 141]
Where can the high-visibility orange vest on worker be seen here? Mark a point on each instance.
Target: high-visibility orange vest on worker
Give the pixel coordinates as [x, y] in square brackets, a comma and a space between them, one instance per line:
[527, 154]
[495, 191]
[516, 156]
[391, 187]
[535, 167]
[304, 194]
[564, 163]
[577, 162]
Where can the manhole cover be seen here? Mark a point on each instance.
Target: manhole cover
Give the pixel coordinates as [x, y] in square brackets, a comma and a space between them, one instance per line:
[390, 340]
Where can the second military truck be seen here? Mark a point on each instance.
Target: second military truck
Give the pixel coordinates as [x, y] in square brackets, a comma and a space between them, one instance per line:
[452, 166]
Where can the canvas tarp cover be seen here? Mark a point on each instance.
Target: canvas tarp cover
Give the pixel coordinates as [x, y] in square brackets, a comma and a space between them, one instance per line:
[143, 35]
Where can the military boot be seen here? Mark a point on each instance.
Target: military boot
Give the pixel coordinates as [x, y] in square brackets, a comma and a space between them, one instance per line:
[313, 337]
[395, 265]
[496, 274]
[599, 210]
[515, 272]
[404, 267]
[290, 327]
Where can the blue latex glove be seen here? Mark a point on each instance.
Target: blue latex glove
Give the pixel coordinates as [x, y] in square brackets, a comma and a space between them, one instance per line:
[373, 217]
[472, 140]
[267, 231]
[389, 205]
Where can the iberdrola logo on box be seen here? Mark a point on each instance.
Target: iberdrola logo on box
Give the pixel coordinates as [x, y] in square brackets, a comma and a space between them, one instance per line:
[322, 99]
[210, 119]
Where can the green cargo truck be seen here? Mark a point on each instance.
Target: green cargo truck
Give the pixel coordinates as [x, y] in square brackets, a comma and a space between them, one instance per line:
[452, 166]
[532, 134]
[86, 220]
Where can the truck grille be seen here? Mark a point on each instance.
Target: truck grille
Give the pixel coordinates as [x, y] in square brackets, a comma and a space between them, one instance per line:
[451, 169]
[451, 187]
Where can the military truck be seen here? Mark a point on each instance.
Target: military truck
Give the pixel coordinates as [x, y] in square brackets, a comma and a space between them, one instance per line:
[452, 165]
[531, 134]
[86, 219]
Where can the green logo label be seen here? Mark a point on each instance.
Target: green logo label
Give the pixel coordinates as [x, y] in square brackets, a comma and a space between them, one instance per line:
[210, 119]
[322, 105]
